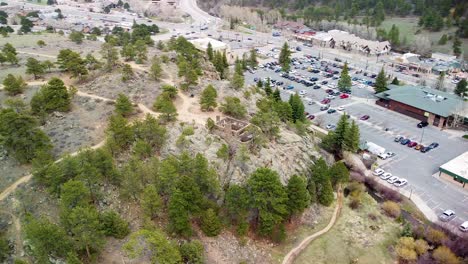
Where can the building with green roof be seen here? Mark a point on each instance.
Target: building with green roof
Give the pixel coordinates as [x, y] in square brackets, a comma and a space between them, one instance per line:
[423, 103]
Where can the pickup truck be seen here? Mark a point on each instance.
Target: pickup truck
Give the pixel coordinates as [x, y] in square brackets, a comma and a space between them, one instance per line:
[386, 155]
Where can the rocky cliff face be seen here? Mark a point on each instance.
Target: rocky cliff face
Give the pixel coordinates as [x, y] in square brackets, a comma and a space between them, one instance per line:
[290, 154]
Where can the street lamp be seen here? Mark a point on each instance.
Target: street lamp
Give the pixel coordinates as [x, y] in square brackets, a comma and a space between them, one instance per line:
[422, 134]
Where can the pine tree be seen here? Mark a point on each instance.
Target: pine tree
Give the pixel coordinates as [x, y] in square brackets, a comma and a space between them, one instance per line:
[237, 203]
[150, 201]
[267, 87]
[276, 95]
[128, 52]
[269, 199]
[285, 57]
[312, 189]
[380, 82]
[156, 70]
[51, 97]
[179, 217]
[34, 67]
[395, 81]
[461, 89]
[298, 195]
[209, 52]
[440, 84]
[123, 105]
[351, 138]
[127, 72]
[379, 13]
[164, 105]
[253, 58]
[297, 108]
[339, 173]
[208, 98]
[320, 174]
[326, 194]
[457, 47]
[210, 223]
[14, 85]
[237, 81]
[344, 84]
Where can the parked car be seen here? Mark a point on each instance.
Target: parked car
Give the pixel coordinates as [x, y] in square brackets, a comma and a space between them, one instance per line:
[313, 79]
[425, 149]
[330, 96]
[398, 138]
[310, 102]
[386, 176]
[393, 179]
[412, 144]
[386, 155]
[464, 227]
[365, 117]
[324, 108]
[324, 82]
[311, 117]
[405, 141]
[340, 108]
[316, 87]
[303, 92]
[419, 147]
[378, 172]
[447, 215]
[331, 111]
[423, 124]
[325, 101]
[289, 87]
[330, 127]
[344, 96]
[400, 182]
[433, 145]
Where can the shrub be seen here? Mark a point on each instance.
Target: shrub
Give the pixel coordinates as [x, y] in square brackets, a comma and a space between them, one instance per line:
[192, 252]
[392, 209]
[113, 225]
[405, 249]
[210, 223]
[421, 246]
[443, 255]
[435, 236]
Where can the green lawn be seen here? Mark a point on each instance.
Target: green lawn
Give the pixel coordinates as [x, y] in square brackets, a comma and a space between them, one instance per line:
[355, 238]
[408, 27]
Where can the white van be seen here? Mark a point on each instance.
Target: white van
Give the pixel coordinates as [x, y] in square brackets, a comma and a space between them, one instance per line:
[464, 227]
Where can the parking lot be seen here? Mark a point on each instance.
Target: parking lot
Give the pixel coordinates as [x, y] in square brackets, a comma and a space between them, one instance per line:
[381, 128]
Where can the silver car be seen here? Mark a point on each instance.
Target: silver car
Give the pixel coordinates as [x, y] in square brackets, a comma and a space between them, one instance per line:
[447, 215]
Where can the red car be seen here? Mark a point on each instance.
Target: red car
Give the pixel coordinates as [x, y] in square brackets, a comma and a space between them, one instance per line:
[365, 117]
[344, 96]
[325, 101]
[328, 90]
[311, 117]
[306, 113]
[412, 144]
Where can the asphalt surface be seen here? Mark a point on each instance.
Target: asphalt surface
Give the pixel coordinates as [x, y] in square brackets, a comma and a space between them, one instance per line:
[418, 168]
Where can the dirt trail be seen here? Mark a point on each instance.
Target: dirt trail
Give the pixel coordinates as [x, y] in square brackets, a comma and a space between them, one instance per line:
[289, 258]
[17, 224]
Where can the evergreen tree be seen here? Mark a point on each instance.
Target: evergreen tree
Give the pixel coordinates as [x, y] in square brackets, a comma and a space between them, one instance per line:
[9, 53]
[156, 70]
[269, 199]
[113, 225]
[395, 81]
[123, 105]
[53, 96]
[77, 37]
[326, 193]
[208, 98]
[179, 217]
[298, 195]
[297, 108]
[285, 57]
[85, 227]
[14, 85]
[344, 84]
[127, 72]
[440, 84]
[380, 82]
[128, 52]
[394, 35]
[237, 81]
[321, 177]
[192, 252]
[457, 46]
[237, 203]
[165, 106]
[210, 223]
[339, 173]
[110, 55]
[34, 67]
[461, 89]
[153, 244]
[379, 13]
[253, 62]
[209, 52]
[260, 84]
[267, 87]
[443, 40]
[141, 51]
[312, 189]
[276, 95]
[150, 201]
[351, 138]
[119, 131]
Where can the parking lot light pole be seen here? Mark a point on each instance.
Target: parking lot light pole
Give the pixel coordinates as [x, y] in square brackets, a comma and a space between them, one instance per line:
[422, 135]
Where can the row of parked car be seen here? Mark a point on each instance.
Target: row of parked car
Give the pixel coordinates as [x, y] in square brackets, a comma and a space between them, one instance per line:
[387, 176]
[413, 144]
[449, 215]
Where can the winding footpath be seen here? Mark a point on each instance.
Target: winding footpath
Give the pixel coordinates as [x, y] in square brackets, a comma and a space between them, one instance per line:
[289, 258]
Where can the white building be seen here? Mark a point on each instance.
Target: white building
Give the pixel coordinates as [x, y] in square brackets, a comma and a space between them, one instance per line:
[202, 44]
